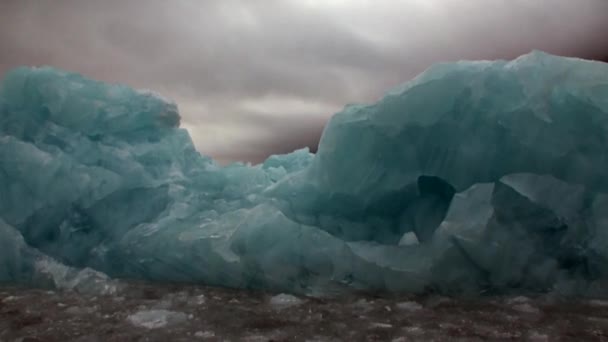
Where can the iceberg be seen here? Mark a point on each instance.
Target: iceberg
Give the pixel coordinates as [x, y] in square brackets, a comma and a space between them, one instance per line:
[474, 177]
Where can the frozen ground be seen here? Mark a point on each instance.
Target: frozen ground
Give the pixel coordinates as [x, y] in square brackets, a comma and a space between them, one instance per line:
[145, 312]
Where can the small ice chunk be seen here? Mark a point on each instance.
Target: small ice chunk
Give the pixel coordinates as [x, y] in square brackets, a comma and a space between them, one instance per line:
[10, 299]
[414, 330]
[204, 334]
[409, 239]
[518, 300]
[153, 319]
[285, 300]
[200, 299]
[381, 325]
[170, 300]
[179, 297]
[526, 308]
[84, 280]
[409, 306]
[364, 305]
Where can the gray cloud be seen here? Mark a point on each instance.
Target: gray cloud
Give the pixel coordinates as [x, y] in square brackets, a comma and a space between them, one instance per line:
[258, 77]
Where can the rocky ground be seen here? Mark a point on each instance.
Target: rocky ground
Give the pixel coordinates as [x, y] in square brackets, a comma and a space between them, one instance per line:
[145, 312]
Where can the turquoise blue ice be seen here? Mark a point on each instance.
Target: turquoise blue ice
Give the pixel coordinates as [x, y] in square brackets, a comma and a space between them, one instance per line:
[475, 177]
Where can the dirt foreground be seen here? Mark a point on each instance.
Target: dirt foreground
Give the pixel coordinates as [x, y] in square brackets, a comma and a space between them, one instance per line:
[151, 312]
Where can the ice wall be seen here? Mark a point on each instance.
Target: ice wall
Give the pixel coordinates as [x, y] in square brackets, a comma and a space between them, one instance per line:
[490, 174]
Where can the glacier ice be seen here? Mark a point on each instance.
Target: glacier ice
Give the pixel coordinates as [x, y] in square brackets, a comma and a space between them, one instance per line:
[474, 177]
[23, 264]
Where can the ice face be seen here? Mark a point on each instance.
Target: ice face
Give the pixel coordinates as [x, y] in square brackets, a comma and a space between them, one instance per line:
[473, 177]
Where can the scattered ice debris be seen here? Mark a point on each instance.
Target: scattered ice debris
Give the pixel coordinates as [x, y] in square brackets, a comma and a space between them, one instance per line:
[153, 319]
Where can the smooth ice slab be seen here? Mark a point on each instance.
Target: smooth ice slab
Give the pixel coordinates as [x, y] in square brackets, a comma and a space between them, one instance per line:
[474, 177]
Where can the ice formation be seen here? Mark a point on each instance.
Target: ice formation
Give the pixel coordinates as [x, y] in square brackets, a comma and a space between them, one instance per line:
[474, 177]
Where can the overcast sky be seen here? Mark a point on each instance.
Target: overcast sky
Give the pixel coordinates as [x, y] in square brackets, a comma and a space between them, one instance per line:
[258, 77]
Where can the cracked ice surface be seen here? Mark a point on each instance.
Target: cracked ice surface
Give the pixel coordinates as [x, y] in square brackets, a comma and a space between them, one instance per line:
[475, 177]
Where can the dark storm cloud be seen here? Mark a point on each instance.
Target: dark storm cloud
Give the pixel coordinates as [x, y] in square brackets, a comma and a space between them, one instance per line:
[262, 76]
